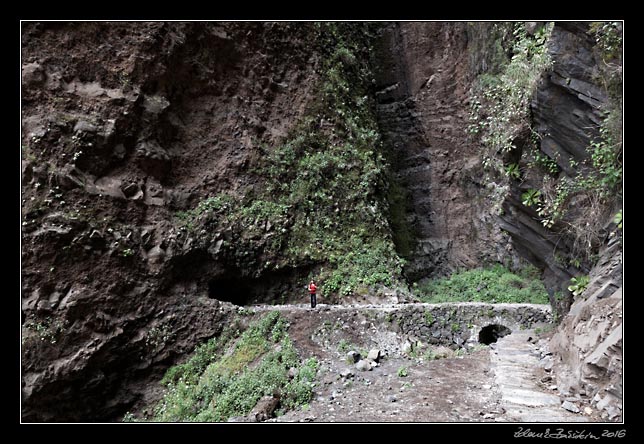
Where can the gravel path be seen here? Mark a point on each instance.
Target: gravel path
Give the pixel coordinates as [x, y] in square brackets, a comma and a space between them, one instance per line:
[388, 307]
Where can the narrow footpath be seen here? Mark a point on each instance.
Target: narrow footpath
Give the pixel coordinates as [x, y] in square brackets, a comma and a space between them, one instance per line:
[527, 394]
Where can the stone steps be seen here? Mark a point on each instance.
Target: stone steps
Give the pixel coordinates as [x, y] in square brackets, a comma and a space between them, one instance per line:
[515, 363]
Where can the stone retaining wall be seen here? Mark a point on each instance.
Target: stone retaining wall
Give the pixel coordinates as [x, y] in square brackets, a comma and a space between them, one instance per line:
[390, 327]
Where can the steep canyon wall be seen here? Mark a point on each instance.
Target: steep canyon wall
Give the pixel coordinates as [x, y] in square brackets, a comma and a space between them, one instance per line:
[424, 77]
[126, 125]
[131, 132]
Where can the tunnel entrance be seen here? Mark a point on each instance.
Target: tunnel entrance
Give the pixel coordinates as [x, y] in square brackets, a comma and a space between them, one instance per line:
[491, 333]
[287, 285]
[230, 290]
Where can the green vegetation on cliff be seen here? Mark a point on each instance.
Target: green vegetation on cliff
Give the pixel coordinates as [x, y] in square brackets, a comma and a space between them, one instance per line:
[573, 195]
[226, 377]
[494, 284]
[501, 101]
[584, 202]
[324, 197]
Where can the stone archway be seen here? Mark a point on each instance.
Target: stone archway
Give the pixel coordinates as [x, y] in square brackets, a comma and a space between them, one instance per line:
[491, 333]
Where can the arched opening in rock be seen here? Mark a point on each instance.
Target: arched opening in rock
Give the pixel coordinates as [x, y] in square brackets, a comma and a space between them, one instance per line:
[491, 333]
[287, 285]
[230, 290]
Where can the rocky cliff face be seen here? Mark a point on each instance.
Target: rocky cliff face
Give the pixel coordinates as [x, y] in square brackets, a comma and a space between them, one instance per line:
[125, 125]
[567, 110]
[425, 72]
[424, 76]
[587, 345]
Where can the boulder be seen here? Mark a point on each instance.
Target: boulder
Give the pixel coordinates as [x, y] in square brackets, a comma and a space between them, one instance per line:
[110, 186]
[363, 365]
[155, 104]
[156, 255]
[119, 151]
[132, 191]
[153, 158]
[32, 75]
[153, 192]
[264, 408]
[570, 407]
[441, 352]
[83, 126]
[374, 355]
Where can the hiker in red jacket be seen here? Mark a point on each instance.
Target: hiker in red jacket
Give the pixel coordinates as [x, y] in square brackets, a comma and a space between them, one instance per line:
[312, 289]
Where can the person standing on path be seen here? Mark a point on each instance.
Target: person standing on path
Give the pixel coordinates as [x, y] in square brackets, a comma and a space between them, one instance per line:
[312, 289]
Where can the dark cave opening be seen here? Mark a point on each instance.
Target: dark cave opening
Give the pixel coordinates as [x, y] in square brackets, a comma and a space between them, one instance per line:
[491, 333]
[287, 285]
[232, 290]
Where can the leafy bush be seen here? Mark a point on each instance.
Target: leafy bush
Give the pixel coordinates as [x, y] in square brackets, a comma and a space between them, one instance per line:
[578, 284]
[191, 370]
[608, 39]
[206, 209]
[538, 159]
[617, 219]
[48, 329]
[531, 197]
[594, 189]
[513, 171]
[606, 153]
[501, 119]
[343, 345]
[494, 284]
[500, 103]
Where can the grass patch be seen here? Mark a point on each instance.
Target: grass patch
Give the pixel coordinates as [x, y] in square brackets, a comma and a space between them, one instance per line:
[494, 284]
[226, 377]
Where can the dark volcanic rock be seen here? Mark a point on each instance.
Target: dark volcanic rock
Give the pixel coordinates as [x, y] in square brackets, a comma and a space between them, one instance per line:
[423, 77]
[124, 125]
[566, 110]
[32, 75]
[264, 408]
[566, 107]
